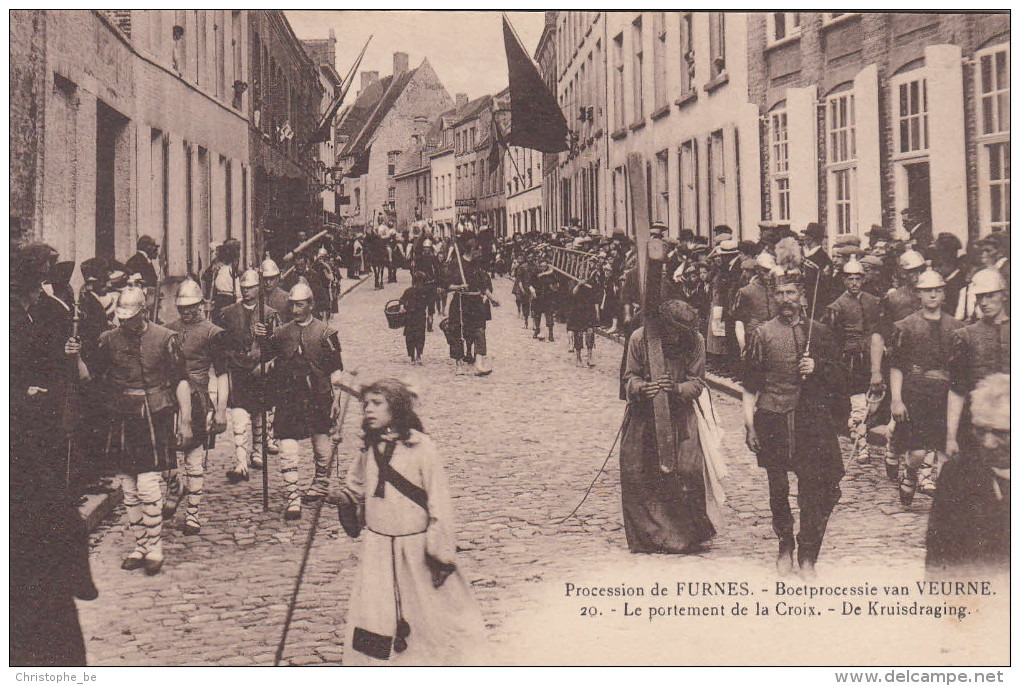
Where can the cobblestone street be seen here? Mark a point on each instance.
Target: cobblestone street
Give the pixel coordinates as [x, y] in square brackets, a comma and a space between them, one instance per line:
[520, 447]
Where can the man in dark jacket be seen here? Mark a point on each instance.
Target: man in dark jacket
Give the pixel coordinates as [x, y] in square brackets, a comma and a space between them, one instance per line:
[793, 388]
[49, 564]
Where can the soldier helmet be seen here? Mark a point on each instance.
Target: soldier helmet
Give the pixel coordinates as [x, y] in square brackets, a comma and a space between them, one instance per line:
[911, 259]
[130, 303]
[872, 260]
[427, 243]
[930, 279]
[269, 268]
[987, 281]
[300, 292]
[190, 293]
[249, 278]
[853, 267]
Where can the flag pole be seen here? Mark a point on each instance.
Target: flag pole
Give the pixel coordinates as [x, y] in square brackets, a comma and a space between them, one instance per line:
[506, 149]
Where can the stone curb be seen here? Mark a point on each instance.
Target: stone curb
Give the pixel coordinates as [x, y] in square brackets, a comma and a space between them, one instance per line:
[98, 506]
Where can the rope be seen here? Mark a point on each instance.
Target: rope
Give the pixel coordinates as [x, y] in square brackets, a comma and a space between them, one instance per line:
[601, 469]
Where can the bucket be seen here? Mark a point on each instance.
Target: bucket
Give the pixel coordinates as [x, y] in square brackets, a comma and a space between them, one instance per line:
[395, 314]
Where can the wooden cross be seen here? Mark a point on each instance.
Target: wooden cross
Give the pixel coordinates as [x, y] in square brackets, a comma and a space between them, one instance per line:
[651, 253]
[574, 264]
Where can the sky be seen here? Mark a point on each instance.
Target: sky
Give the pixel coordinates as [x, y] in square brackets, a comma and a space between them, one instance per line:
[464, 48]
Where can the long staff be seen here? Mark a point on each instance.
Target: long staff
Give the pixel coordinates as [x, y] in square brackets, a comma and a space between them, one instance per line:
[313, 527]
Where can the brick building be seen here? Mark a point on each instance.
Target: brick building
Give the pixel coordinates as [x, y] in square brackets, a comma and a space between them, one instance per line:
[478, 188]
[285, 103]
[545, 56]
[413, 178]
[678, 94]
[864, 114]
[322, 52]
[581, 190]
[442, 165]
[491, 202]
[375, 129]
[138, 122]
[523, 173]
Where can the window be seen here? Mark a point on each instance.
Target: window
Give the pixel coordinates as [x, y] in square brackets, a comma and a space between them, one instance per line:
[842, 161]
[391, 162]
[998, 186]
[992, 82]
[779, 156]
[659, 59]
[662, 186]
[620, 204]
[994, 91]
[717, 42]
[686, 53]
[484, 178]
[782, 25]
[716, 180]
[912, 116]
[688, 166]
[392, 193]
[638, 48]
[618, 101]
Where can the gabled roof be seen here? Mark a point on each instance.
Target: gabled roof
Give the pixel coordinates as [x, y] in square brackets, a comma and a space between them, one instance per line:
[390, 90]
[472, 109]
[356, 115]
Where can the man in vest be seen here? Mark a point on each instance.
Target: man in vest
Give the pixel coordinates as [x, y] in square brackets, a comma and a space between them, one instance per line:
[307, 376]
[248, 389]
[144, 369]
[204, 354]
[274, 296]
[791, 391]
[852, 317]
[896, 305]
[978, 350]
[753, 305]
[918, 382]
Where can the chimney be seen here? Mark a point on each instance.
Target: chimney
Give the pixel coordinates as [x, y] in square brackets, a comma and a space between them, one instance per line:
[462, 100]
[400, 63]
[368, 78]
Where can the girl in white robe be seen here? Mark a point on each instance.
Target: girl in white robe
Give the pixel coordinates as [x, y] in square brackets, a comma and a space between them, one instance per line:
[411, 604]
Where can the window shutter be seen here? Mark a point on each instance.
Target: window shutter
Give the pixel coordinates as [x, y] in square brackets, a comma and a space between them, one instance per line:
[802, 124]
[948, 162]
[869, 146]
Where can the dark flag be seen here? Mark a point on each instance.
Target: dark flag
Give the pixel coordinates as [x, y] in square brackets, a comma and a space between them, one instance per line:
[536, 121]
[321, 133]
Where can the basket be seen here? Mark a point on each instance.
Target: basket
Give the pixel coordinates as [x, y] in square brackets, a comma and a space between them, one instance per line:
[395, 314]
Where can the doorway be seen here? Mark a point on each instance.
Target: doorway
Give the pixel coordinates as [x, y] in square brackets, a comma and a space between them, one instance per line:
[110, 127]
